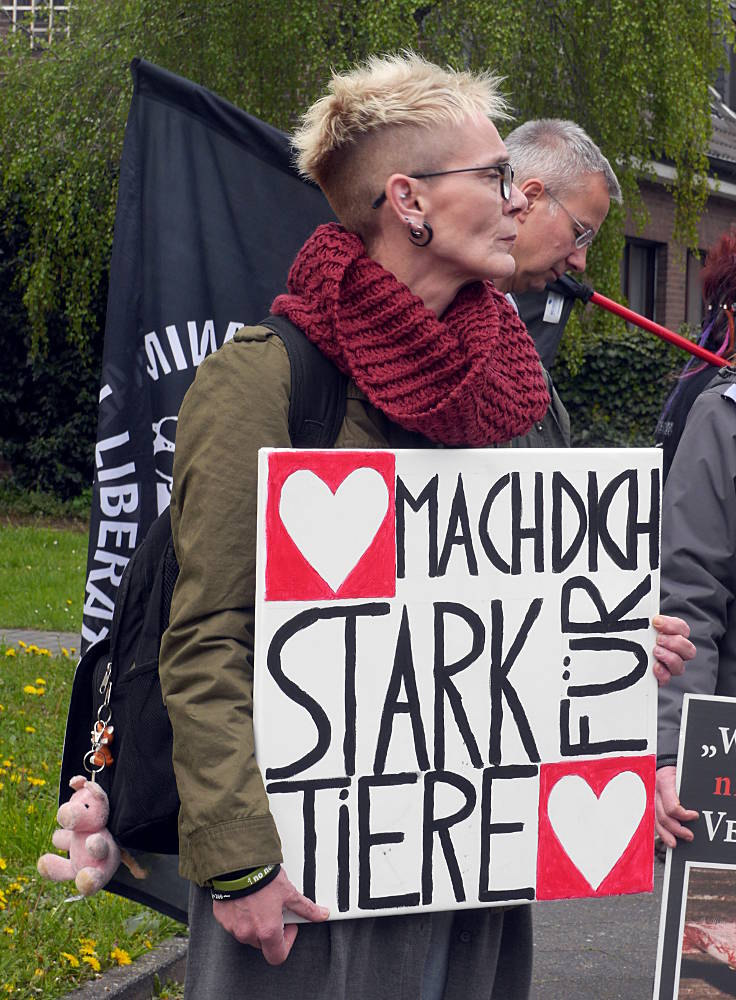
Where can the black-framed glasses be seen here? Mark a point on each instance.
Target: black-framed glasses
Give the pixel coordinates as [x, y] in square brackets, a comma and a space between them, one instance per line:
[585, 236]
[504, 170]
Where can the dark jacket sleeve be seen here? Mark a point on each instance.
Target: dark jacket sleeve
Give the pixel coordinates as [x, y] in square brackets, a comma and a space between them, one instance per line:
[699, 552]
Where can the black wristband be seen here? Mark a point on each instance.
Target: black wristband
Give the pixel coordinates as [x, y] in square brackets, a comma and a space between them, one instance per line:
[243, 883]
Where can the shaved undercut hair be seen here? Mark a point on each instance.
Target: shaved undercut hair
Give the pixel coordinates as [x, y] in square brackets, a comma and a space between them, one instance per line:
[559, 153]
[391, 114]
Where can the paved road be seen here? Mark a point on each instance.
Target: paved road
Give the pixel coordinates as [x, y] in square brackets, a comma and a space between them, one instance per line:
[53, 641]
[597, 949]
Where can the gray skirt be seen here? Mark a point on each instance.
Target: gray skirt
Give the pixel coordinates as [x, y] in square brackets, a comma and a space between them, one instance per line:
[483, 954]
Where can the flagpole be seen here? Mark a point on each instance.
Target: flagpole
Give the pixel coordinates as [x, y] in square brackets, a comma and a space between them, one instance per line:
[575, 288]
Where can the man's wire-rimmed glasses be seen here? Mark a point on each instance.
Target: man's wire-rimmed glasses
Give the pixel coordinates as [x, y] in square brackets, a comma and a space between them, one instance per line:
[504, 170]
[585, 235]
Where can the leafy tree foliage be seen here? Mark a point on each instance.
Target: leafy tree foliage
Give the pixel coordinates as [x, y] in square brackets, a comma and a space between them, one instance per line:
[635, 76]
[48, 401]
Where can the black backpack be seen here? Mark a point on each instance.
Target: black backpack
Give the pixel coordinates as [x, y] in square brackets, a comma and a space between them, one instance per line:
[122, 669]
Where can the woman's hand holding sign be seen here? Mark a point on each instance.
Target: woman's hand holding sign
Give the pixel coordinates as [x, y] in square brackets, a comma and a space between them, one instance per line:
[258, 919]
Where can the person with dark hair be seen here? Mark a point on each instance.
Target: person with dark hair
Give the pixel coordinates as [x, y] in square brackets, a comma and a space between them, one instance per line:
[698, 577]
[718, 279]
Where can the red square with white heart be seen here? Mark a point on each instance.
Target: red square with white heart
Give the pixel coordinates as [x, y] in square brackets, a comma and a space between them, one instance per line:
[330, 525]
[596, 827]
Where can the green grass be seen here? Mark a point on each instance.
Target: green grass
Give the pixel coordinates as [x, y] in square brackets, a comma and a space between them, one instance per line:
[50, 942]
[168, 990]
[42, 574]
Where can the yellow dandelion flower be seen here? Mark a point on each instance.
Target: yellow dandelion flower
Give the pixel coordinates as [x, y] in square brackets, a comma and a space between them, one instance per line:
[44, 652]
[33, 648]
[87, 945]
[21, 643]
[36, 782]
[30, 729]
[30, 809]
[120, 956]
[68, 601]
[9, 988]
[147, 943]
[39, 680]
[15, 887]
[71, 959]
[9, 930]
[38, 972]
[10, 652]
[3, 864]
[64, 651]
[30, 689]
[2, 708]
[93, 961]
[8, 763]
[2, 904]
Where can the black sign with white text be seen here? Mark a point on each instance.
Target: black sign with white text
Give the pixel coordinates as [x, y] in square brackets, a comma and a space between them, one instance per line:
[697, 938]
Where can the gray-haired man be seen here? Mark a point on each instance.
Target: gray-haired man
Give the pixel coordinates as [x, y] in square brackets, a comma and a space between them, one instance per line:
[569, 185]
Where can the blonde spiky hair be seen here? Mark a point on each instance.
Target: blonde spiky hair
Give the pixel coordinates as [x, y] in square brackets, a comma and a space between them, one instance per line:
[368, 105]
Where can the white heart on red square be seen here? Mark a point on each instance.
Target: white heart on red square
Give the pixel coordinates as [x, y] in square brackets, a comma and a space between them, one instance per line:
[333, 530]
[595, 830]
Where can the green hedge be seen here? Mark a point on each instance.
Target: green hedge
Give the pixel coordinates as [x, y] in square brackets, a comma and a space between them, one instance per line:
[615, 397]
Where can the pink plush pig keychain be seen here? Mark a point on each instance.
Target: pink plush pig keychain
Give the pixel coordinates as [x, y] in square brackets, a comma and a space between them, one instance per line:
[93, 854]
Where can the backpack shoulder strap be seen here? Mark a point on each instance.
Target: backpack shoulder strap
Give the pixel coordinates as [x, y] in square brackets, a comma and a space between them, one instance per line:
[317, 407]
[141, 586]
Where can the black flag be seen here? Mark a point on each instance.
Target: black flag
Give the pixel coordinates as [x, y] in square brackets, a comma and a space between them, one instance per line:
[210, 215]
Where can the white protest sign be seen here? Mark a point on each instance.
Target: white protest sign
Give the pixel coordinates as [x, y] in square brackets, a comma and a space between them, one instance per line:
[454, 704]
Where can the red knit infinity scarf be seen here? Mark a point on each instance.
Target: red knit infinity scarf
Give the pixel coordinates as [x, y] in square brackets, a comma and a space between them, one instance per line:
[472, 378]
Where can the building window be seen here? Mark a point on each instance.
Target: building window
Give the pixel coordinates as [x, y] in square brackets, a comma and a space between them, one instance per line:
[693, 291]
[40, 20]
[639, 276]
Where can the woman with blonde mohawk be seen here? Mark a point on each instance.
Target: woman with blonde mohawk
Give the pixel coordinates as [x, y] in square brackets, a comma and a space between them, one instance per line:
[400, 297]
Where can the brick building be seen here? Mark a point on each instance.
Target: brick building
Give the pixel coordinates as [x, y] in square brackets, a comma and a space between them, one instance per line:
[658, 276]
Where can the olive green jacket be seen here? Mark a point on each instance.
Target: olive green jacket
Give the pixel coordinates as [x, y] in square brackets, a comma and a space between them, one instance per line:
[238, 403]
